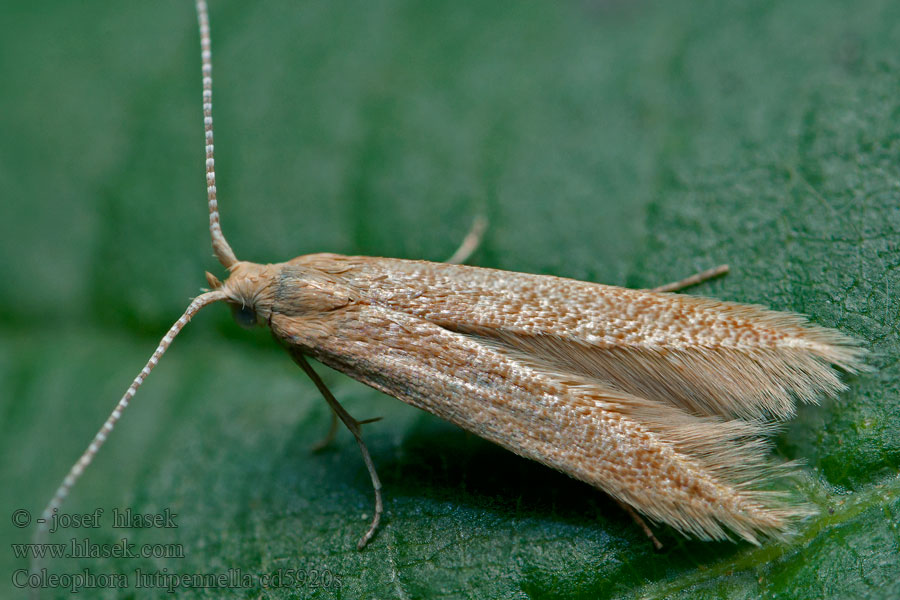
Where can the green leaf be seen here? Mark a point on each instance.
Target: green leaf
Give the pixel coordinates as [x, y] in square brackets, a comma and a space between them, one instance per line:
[628, 143]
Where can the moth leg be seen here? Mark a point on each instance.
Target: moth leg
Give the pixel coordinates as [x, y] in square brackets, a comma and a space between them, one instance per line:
[470, 243]
[642, 524]
[329, 437]
[693, 279]
[353, 425]
[332, 432]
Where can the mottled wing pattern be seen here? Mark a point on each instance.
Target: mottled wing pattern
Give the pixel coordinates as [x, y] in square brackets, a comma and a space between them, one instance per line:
[634, 392]
[706, 356]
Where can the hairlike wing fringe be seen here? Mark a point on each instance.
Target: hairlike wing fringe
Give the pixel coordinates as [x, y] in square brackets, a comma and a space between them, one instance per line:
[712, 404]
[754, 377]
[729, 459]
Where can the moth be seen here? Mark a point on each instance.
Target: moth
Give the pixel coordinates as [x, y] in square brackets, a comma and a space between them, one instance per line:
[663, 401]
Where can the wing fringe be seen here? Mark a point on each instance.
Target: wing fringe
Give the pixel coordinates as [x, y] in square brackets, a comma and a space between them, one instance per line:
[756, 377]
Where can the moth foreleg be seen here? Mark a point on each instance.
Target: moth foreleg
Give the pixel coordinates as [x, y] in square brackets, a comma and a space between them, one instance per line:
[353, 425]
[693, 279]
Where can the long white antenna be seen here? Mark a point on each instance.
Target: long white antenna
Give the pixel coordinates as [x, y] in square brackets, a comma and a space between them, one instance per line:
[220, 245]
[100, 438]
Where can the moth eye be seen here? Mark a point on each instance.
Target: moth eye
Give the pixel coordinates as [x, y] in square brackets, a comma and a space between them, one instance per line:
[245, 316]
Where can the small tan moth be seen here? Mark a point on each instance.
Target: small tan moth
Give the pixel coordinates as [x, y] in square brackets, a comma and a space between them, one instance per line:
[663, 401]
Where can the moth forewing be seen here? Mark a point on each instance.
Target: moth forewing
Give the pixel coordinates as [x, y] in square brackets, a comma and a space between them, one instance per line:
[597, 381]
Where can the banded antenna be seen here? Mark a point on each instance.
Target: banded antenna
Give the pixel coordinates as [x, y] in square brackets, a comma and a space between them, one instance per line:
[223, 253]
[220, 245]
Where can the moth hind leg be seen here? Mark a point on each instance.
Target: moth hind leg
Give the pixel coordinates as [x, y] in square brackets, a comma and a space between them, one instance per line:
[695, 279]
[470, 243]
[354, 426]
[642, 524]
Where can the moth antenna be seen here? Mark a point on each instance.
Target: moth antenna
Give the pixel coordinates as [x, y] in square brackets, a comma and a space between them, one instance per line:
[100, 438]
[220, 245]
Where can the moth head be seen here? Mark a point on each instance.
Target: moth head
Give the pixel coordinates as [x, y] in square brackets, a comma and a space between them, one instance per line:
[245, 316]
[250, 291]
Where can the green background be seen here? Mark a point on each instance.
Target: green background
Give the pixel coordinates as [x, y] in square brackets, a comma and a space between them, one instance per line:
[624, 142]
